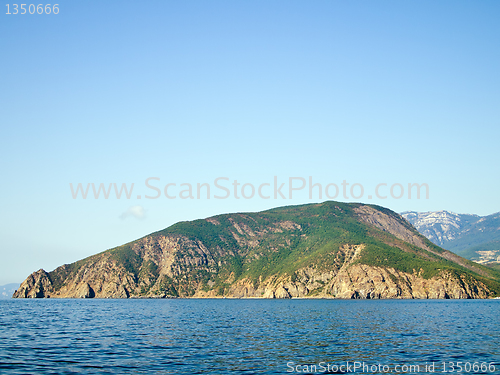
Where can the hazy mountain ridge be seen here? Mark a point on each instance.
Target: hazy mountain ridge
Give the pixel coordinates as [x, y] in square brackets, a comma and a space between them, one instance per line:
[440, 227]
[6, 291]
[472, 236]
[328, 250]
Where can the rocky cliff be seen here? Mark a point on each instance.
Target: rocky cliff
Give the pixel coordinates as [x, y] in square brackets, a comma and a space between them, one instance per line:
[329, 250]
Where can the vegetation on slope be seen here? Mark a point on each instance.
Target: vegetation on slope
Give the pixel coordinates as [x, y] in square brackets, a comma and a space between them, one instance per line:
[280, 241]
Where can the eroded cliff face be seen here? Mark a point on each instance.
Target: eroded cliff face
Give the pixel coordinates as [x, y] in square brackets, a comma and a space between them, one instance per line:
[393, 224]
[357, 281]
[360, 282]
[37, 285]
[102, 278]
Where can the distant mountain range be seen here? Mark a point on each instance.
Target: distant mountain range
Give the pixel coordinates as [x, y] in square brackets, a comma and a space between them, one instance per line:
[327, 250]
[474, 237]
[6, 291]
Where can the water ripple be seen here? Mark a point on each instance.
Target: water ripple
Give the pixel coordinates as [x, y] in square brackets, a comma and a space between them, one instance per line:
[240, 336]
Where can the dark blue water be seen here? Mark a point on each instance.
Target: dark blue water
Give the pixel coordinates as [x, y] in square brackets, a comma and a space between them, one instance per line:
[246, 336]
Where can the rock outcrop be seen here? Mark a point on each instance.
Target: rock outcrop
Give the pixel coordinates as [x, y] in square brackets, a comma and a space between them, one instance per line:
[37, 285]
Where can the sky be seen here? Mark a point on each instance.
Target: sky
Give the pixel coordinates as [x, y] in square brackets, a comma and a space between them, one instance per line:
[154, 93]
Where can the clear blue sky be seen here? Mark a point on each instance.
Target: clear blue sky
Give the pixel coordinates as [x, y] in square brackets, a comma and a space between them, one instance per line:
[118, 91]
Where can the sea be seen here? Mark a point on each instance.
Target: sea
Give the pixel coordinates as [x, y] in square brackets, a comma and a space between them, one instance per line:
[248, 336]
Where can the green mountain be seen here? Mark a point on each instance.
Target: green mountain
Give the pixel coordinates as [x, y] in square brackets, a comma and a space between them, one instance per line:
[328, 250]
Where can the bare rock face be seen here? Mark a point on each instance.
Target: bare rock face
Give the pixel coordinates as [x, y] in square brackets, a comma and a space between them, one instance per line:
[390, 223]
[358, 281]
[361, 282]
[85, 291]
[35, 286]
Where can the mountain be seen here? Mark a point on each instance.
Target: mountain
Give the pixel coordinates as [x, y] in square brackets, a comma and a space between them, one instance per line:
[471, 236]
[6, 291]
[328, 250]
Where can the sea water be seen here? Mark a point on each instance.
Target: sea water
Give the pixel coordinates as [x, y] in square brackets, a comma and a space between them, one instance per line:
[226, 336]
